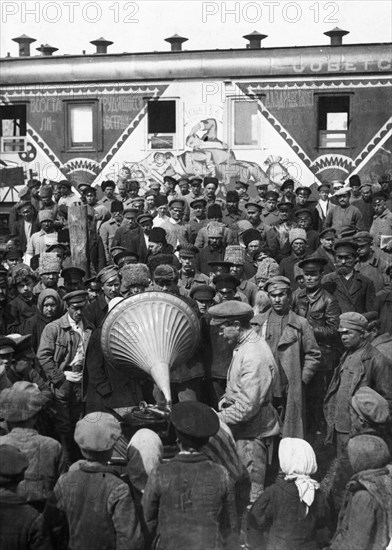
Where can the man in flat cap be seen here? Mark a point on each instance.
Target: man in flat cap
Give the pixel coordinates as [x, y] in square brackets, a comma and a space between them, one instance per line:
[371, 262]
[380, 340]
[22, 526]
[175, 502]
[353, 291]
[246, 407]
[344, 213]
[365, 206]
[295, 350]
[108, 229]
[114, 522]
[73, 278]
[270, 215]
[19, 407]
[360, 365]
[61, 355]
[109, 279]
[369, 413]
[197, 217]
[326, 248]
[303, 194]
[188, 274]
[381, 229]
[322, 311]
[226, 286]
[324, 204]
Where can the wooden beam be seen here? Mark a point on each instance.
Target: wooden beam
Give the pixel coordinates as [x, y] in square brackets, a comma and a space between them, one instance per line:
[78, 236]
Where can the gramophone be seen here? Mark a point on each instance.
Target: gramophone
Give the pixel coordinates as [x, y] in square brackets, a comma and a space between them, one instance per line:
[149, 331]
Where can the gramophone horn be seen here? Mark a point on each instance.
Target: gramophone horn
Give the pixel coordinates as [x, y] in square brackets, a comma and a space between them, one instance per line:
[150, 330]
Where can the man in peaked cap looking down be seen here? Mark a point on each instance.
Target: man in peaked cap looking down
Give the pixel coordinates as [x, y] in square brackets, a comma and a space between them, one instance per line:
[246, 405]
[61, 354]
[91, 502]
[175, 502]
[360, 365]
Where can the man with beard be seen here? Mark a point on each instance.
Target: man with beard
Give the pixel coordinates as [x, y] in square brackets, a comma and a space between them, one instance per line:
[214, 251]
[232, 212]
[49, 272]
[365, 206]
[325, 250]
[322, 312]
[303, 217]
[287, 190]
[344, 214]
[109, 196]
[235, 254]
[298, 241]
[261, 189]
[110, 282]
[254, 244]
[214, 214]
[302, 201]
[353, 291]
[25, 304]
[188, 276]
[210, 188]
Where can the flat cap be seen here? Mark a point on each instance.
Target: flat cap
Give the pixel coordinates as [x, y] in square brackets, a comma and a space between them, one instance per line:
[352, 320]
[271, 195]
[370, 405]
[7, 345]
[347, 246]
[97, 432]
[252, 205]
[73, 273]
[83, 186]
[194, 419]
[88, 190]
[76, 297]
[366, 186]
[312, 263]
[226, 282]
[169, 179]
[379, 197]
[12, 464]
[324, 186]
[302, 211]
[303, 189]
[187, 250]
[155, 185]
[92, 281]
[235, 254]
[196, 180]
[23, 204]
[242, 184]
[107, 273]
[23, 192]
[277, 283]
[328, 232]
[345, 190]
[130, 254]
[362, 237]
[202, 292]
[231, 310]
[144, 218]
[165, 272]
[20, 402]
[251, 235]
[198, 202]
[287, 183]
[261, 185]
[297, 233]
[177, 203]
[208, 180]
[285, 205]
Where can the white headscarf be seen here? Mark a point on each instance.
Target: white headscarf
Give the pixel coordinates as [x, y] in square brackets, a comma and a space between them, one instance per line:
[144, 454]
[297, 460]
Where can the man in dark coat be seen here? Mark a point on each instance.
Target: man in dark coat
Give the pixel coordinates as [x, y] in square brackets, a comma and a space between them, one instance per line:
[110, 282]
[129, 229]
[175, 504]
[298, 244]
[26, 225]
[325, 250]
[353, 291]
[360, 365]
[215, 249]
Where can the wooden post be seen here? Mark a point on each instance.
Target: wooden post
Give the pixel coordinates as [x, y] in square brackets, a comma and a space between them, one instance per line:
[78, 236]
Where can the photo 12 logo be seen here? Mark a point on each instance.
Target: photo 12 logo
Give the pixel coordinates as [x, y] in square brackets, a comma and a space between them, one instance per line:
[271, 12]
[69, 11]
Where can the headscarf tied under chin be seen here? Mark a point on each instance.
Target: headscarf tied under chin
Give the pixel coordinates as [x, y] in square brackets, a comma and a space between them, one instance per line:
[298, 461]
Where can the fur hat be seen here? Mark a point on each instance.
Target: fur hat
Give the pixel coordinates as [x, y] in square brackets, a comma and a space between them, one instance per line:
[235, 254]
[297, 233]
[134, 274]
[367, 452]
[214, 229]
[214, 211]
[49, 262]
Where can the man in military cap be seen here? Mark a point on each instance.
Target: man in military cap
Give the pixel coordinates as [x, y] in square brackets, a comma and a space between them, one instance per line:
[360, 365]
[322, 311]
[371, 262]
[353, 291]
[61, 355]
[188, 275]
[282, 229]
[129, 229]
[381, 229]
[365, 206]
[227, 288]
[69, 510]
[197, 217]
[210, 188]
[108, 229]
[326, 248]
[141, 241]
[369, 413]
[73, 278]
[22, 526]
[109, 279]
[174, 500]
[295, 350]
[344, 213]
[196, 188]
[302, 201]
[218, 267]
[246, 405]
[270, 214]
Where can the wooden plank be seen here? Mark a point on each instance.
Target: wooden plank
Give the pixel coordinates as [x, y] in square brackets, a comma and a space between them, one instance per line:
[78, 235]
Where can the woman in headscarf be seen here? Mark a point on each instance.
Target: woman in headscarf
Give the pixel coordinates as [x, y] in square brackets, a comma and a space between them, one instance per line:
[292, 507]
[50, 308]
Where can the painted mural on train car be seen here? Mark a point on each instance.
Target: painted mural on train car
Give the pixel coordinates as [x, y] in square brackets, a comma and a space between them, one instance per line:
[307, 129]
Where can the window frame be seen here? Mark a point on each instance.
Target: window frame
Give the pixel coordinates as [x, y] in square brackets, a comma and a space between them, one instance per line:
[96, 144]
[22, 127]
[319, 132]
[178, 139]
[230, 131]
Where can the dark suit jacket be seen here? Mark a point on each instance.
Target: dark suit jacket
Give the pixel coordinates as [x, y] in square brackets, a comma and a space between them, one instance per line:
[18, 230]
[359, 296]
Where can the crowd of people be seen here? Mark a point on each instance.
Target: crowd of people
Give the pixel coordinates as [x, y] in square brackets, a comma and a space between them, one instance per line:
[281, 414]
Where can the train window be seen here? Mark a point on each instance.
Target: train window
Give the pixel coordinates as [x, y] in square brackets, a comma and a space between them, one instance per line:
[13, 128]
[81, 126]
[245, 123]
[333, 118]
[162, 124]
